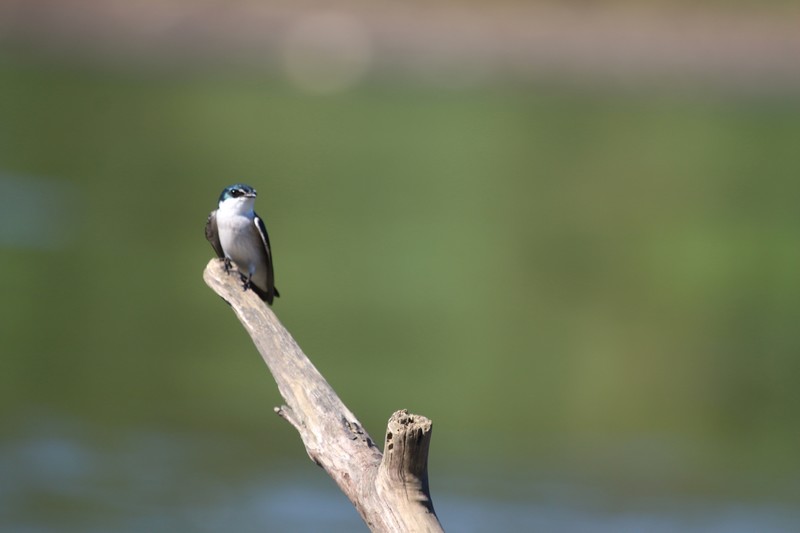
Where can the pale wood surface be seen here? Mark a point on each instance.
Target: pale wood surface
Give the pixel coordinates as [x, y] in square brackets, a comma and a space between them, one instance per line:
[389, 490]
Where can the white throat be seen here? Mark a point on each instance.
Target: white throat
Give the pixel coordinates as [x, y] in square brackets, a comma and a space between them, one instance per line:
[237, 206]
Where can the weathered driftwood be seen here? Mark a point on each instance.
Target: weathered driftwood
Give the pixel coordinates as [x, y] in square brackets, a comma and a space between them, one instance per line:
[389, 490]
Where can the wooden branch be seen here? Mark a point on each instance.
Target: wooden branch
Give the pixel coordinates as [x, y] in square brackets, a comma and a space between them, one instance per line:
[390, 490]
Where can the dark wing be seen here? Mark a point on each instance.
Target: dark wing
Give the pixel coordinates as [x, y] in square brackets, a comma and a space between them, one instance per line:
[212, 235]
[272, 292]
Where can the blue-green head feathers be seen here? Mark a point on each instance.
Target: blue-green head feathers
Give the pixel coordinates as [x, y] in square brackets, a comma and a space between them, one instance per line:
[237, 191]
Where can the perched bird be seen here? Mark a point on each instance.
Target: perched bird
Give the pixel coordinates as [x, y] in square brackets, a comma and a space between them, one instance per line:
[238, 235]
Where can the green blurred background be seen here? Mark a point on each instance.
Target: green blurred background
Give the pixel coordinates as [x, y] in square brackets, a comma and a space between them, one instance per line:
[591, 286]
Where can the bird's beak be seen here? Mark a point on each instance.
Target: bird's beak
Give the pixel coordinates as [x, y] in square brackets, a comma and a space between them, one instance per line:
[250, 195]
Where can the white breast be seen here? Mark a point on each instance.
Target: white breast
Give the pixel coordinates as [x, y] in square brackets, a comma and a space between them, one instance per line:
[242, 244]
[235, 235]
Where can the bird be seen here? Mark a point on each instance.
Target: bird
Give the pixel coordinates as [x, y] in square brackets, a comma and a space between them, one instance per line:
[238, 235]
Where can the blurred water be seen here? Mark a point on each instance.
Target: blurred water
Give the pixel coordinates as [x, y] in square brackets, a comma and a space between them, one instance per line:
[633, 330]
[55, 478]
[35, 213]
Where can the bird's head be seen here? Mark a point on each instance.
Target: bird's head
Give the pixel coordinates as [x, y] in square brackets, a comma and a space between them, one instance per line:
[239, 198]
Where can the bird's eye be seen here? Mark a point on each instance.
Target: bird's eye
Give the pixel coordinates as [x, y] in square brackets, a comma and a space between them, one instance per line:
[236, 193]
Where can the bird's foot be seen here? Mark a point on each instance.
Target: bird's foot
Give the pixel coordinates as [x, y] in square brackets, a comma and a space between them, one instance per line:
[227, 265]
[246, 282]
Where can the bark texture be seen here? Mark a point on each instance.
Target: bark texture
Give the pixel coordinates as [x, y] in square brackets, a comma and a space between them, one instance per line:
[389, 490]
